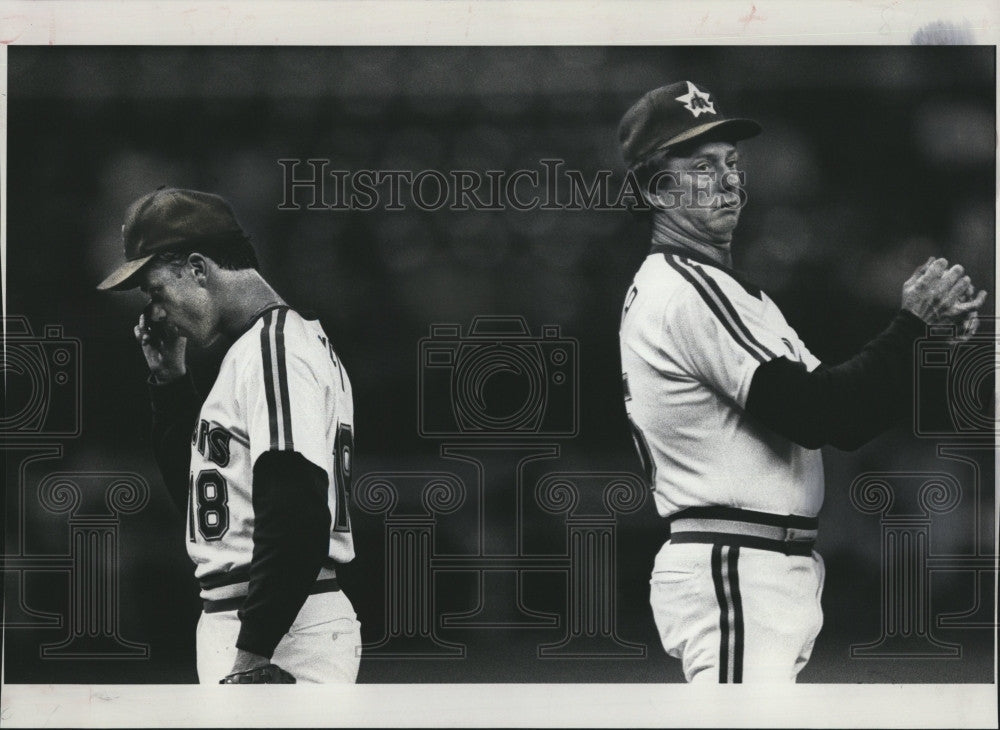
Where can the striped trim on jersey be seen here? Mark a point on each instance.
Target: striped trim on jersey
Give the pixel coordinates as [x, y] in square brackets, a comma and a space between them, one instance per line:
[272, 348]
[720, 305]
[726, 578]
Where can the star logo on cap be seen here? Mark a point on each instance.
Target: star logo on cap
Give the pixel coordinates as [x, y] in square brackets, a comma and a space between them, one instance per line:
[696, 101]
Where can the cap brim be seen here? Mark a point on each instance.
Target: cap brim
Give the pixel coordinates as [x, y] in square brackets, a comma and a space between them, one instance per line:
[730, 130]
[125, 276]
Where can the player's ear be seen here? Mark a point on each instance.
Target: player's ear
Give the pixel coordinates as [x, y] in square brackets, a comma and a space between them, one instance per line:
[652, 191]
[199, 267]
[660, 191]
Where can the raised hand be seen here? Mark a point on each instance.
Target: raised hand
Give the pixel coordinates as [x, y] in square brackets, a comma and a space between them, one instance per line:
[942, 295]
[162, 346]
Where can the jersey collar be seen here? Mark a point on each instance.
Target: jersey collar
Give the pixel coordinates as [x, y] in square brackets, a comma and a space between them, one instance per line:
[257, 315]
[701, 258]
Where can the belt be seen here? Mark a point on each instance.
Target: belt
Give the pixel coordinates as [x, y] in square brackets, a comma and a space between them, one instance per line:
[327, 585]
[787, 534]
[235, 582]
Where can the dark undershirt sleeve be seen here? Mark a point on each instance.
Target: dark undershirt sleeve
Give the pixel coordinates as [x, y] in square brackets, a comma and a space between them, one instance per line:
[291, 539]
[175, 411]
[845, 405]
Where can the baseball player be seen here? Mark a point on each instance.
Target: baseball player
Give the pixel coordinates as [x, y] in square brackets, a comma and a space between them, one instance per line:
[728, 407]
[261, 467]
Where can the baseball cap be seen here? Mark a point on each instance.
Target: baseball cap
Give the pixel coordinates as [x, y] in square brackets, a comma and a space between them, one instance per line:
[676, 113]
[168, 219]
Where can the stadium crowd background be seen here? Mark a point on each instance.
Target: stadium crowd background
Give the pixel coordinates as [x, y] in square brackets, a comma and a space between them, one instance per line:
[871, 160]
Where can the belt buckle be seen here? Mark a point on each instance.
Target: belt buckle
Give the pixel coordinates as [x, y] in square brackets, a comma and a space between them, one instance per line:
[793, 534]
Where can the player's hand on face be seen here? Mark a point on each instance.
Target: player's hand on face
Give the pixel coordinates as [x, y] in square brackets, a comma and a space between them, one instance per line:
[162, 346]
[940, 294]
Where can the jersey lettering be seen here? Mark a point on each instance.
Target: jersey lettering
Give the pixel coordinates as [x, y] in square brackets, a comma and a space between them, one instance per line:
[343, 458]
[212, 494]
[629, 298]
[218, 446]
[212, 442]
[645, 458]
[191, 501]
[333, 358]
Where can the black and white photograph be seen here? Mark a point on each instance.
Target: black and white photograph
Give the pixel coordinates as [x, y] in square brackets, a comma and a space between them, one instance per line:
[588, 369]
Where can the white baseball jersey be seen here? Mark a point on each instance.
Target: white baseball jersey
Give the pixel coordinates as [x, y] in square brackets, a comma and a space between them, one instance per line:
[281, 386]
[692, 336]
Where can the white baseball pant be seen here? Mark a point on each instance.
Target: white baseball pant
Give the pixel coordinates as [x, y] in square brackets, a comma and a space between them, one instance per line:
[323, 644]
[737, 614]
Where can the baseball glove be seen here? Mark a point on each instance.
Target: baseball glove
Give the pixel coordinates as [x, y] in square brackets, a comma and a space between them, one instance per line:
[270, 674]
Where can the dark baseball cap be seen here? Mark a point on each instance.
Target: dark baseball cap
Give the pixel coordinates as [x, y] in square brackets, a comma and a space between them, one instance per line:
[168, 219]
[673, 114]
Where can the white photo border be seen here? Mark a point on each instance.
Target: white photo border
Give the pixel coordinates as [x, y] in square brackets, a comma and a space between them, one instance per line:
[491, 22]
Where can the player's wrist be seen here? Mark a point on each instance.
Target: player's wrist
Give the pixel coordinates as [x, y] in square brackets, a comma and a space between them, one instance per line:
[911, 322]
